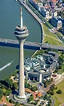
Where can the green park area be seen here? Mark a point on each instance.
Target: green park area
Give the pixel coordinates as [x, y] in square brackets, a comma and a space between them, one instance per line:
[59, 98]
[50, 37]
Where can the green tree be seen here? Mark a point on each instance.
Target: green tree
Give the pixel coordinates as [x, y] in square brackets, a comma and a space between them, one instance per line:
[7, 82]
[61, 59]
[15, 86]
[1, 93]
[34, 88]
[31, 98]
[59, 91]
[7, 92]
[50, 92]
[17, 104]
[52, 87]
[11, 100]
[44, 3]
[10, 82]
[4, 105]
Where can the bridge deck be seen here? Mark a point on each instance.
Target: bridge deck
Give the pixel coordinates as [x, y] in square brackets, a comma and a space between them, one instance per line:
[29, 45]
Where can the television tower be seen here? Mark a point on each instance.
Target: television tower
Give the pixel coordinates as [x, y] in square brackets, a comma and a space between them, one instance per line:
[21, 32]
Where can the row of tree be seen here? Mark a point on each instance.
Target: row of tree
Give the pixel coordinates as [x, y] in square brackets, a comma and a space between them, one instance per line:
[7, 86]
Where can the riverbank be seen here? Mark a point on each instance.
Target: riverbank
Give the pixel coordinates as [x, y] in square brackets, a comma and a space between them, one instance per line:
[36, 17]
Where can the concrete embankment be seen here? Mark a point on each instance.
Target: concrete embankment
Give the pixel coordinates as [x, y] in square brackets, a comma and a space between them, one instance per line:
[36, 17]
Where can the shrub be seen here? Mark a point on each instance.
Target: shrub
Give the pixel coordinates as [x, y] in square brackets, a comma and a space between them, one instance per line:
[59, 91]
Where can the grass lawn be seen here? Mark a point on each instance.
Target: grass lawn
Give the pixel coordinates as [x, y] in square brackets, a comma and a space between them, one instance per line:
[59, 98]
[57, 102]
[59, 34]
[47, 32]
[52, 41]
[50, 37]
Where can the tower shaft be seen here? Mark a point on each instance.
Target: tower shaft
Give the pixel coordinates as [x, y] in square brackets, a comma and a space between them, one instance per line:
[21, 70]
[21, 25]
[21, 33]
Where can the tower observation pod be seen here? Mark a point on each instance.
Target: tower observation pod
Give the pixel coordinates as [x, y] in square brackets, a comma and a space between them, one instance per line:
[21, 32]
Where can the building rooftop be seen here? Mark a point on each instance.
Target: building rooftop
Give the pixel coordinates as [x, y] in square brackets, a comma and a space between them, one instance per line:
[54, 1]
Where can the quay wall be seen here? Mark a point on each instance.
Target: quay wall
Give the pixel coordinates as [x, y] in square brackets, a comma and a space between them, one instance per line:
[36, 17]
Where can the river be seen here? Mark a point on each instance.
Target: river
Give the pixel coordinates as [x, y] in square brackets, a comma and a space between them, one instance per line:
[9, 18]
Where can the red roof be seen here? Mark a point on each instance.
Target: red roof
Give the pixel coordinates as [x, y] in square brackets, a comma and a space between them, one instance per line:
[54, 1]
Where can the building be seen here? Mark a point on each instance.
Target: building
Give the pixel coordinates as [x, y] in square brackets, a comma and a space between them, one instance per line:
[40, 68]
[62, 22]
[39, 6]
[45, 13]
[56, 22]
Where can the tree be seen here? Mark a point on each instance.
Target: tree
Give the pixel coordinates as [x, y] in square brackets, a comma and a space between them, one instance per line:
[59, 91]
[4, 105]
[7, 82]
[7, 92]
[1, 93]
[27, 85]
[17, 104]
[11, 100]
[34, 88]
[50, 92]
[44, 3]
[45, 97]
[61, 59]
[60, 67]
[31, 98]
[15, 86]
[10, 82]
[52, 87]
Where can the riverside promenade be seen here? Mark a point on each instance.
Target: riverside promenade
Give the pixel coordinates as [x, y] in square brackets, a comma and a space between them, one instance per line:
[36, 17]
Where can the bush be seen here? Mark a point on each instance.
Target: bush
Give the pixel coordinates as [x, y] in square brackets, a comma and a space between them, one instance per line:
[17, 104]
[34, 88]
[4, 105]
[31, 98]
[59, 91]
[11, 101]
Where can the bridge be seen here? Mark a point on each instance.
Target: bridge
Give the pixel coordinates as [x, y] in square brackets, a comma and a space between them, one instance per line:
[29, 45]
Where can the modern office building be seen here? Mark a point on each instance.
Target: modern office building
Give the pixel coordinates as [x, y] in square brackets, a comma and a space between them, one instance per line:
[56, 22]
[41, 67]
[21, 33]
